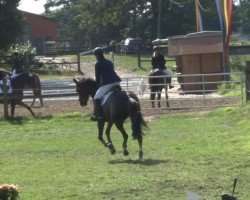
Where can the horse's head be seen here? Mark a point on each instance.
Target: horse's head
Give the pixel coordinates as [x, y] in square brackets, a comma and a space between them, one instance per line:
[85, 87]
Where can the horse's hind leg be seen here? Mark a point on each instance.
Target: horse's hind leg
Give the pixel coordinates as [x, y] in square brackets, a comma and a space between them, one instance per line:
[110, 144]
[37, 94]
[152, 97]
[41, 100]
[125, 138]
[166, 95]
[37, 90]
[33, 102]
[159, 99]
[139, 139]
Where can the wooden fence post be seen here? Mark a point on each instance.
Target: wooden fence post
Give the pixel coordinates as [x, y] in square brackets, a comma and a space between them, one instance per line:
[5, 98]
[247, 71]
[139, 58]
[79, 64]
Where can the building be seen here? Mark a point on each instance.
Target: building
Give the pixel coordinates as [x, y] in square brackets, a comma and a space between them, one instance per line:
[39, 30]
[199, 59]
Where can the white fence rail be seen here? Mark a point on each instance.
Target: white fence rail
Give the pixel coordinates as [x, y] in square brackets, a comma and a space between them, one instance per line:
[227, 92]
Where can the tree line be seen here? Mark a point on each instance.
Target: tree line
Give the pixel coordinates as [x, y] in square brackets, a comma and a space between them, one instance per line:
[88, 23]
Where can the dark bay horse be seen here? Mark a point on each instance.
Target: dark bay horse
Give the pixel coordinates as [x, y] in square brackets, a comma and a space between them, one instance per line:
[34, 85]
[16, 96]
[157, 81]
[118, 107]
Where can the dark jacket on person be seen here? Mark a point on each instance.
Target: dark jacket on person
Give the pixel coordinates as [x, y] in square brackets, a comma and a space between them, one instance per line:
[105, 73]
[158, 62]
[17, 65]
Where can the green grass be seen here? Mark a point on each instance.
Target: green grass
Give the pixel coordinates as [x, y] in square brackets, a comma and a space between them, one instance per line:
[60, 157]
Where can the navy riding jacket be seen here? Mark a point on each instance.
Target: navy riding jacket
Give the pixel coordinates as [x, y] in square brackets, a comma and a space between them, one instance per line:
[158, 62]
[105, 73]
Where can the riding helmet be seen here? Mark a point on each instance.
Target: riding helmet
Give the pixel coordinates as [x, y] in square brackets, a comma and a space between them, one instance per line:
[98, 51]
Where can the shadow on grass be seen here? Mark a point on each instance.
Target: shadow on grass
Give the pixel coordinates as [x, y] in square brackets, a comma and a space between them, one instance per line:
[22, 120]
[146, 162]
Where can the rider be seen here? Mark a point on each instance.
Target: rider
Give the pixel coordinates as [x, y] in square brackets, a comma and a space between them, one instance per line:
[158, 62]
[17, 64]
[106, 78]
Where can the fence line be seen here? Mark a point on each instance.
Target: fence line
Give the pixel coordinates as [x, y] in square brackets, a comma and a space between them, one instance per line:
[178, 99]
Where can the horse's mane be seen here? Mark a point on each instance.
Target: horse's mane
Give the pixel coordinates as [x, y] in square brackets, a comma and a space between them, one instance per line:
[86, 80]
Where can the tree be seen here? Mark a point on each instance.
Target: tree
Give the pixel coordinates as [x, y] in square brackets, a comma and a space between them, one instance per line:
[94, 22]
[242, 16]
[11, 23]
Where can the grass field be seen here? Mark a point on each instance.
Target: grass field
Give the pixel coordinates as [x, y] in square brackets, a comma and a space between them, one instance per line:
[60, 157]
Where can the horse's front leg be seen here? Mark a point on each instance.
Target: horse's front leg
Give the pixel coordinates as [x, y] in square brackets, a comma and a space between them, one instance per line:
[110, 144]
[12, 107]
[100, 124]
[120, 127]
[26, 106]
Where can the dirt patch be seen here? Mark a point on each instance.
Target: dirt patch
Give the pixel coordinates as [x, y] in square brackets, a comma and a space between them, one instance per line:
[58, 107]
[178, 103]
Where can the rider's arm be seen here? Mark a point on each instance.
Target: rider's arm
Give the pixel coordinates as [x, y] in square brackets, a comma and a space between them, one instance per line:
[97, 75]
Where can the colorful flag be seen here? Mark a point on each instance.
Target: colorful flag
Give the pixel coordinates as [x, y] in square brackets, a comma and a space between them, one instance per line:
[225, 13]
[228, 15]
[199, 24]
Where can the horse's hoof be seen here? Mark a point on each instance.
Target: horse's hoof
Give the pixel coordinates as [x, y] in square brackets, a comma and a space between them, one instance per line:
[125, 152]
[112, 151]
[141, 155]
[111, 148]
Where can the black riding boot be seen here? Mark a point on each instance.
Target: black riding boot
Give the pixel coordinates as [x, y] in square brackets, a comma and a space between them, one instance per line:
[170, 85]
[97, 111]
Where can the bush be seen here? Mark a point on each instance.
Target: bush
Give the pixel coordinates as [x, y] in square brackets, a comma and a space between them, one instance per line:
[26, 53]
[9, 192]
[236, 63]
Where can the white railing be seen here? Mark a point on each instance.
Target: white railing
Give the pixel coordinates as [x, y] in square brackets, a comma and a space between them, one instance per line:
[179, 98]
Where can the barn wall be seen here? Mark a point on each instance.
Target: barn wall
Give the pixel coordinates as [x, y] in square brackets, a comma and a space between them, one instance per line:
[40, 27]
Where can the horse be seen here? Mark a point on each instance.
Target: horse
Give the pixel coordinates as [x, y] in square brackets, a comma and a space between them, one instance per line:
[16, 96]
[118, 107]
[34, 85]
[157, 81]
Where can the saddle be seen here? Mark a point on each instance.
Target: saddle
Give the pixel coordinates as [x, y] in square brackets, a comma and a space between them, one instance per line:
[15, 74]
[113, 89]
[8, 84]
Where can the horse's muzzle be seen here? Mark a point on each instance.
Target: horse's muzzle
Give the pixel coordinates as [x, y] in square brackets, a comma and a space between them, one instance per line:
[83, 104]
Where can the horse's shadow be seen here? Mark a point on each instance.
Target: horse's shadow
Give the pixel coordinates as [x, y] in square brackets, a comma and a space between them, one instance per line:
[145, 162]
[19, 120]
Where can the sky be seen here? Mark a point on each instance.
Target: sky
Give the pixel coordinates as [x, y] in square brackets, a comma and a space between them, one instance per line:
[32, 6]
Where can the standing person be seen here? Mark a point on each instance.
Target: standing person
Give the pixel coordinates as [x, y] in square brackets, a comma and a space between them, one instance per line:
[106, 78]
[158, 62]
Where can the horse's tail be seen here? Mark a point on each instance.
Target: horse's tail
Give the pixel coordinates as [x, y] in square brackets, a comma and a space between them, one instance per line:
[138, 122]
[37, 89]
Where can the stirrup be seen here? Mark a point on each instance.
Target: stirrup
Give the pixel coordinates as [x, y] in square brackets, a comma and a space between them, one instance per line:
[93, 117]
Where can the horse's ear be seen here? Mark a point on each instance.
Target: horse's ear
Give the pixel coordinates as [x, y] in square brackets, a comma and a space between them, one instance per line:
[75, 80]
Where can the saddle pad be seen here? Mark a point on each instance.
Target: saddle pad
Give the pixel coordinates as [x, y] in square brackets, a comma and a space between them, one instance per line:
[105, 97]
[14, 75]
[8, 86]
